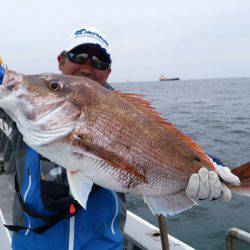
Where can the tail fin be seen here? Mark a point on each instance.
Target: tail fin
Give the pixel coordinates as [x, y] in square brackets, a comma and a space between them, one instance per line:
[243, 172]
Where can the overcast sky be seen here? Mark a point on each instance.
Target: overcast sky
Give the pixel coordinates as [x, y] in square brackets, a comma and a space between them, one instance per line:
[184, 38]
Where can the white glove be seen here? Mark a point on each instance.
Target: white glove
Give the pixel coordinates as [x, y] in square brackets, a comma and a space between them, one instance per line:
[207, 185]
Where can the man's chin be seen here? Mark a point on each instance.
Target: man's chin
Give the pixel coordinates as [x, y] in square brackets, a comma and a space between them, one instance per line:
[87, 76]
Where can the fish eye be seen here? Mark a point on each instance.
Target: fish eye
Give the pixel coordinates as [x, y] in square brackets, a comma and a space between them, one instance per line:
[55, 85]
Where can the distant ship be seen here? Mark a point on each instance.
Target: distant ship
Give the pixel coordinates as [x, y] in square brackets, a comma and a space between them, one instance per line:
[164, 78]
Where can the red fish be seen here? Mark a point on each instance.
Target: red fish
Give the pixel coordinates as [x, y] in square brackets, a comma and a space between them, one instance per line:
[109, 138]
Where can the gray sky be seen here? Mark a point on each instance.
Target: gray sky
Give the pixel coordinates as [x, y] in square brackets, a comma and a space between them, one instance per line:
[184, 38]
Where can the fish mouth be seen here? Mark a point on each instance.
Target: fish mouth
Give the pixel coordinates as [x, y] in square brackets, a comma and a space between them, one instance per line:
[9, 90]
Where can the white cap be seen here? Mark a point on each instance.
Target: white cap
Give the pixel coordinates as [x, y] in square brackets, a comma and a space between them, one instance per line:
[85, 35]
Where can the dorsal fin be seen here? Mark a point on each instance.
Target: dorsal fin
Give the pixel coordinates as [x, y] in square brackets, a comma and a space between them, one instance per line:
[145, 106]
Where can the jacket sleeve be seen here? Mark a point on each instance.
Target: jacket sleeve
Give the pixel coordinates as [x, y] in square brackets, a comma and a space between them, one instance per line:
[1, 73]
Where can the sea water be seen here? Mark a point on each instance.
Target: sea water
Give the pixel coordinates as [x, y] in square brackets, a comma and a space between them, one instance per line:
[216, 114]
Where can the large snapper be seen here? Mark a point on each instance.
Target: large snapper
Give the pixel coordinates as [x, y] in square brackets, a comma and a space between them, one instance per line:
[112, 139]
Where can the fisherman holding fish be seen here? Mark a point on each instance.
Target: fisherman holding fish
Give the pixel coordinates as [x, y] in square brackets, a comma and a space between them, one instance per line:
[45, 215]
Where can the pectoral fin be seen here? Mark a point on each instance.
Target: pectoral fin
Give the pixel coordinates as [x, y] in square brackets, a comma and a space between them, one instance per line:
[169, 205]
[80, 186]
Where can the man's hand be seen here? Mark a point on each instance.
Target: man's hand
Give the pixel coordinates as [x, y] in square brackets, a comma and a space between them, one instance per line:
[207, 185]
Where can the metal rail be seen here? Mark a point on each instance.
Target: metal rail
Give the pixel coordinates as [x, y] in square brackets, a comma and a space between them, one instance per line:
[236, 233]
[140, 234]
[163, 232]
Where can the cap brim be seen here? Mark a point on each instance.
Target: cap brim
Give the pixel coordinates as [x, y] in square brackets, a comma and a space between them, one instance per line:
[78, 42]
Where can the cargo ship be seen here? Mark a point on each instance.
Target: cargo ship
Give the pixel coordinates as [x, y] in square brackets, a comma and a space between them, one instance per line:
[164, 78]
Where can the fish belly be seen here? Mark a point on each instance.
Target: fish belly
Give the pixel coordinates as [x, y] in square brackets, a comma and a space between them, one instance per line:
[101, 173]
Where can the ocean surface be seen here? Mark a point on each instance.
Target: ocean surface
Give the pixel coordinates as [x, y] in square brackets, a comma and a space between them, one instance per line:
[216, 114]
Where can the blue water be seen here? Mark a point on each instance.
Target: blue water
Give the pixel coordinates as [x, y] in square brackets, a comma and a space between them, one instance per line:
[216, 113]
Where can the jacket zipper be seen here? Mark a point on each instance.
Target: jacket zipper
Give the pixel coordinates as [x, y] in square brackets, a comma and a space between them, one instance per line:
[116, 212]
[25, 198]
[71, 232]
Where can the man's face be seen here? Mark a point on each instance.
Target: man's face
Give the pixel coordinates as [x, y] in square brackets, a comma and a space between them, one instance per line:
[87, 70]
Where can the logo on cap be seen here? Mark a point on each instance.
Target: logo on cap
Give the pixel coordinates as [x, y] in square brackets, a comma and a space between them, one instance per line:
[90, 33]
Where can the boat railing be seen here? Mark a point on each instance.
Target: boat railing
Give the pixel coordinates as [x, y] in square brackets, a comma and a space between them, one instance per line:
[234, 234]
[140, 234]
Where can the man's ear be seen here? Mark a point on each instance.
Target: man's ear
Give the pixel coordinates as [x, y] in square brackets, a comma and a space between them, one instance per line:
[61, 61]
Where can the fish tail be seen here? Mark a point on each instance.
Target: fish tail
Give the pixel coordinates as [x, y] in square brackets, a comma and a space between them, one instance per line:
[243, 172]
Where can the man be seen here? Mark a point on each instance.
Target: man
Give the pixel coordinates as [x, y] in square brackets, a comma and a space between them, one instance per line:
[45, 215]
[89, 60]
